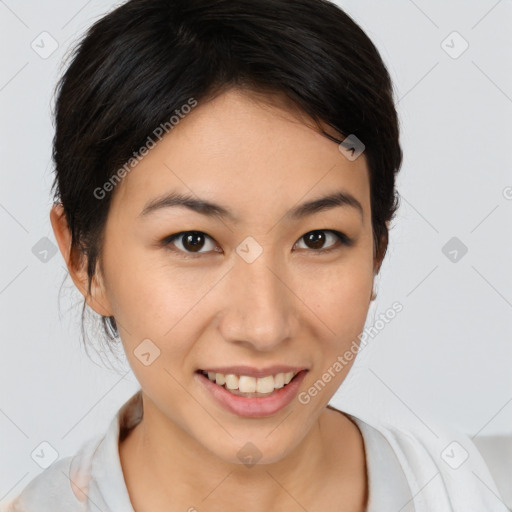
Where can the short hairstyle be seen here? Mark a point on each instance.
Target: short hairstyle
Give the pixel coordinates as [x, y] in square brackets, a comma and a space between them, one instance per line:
[139, 63]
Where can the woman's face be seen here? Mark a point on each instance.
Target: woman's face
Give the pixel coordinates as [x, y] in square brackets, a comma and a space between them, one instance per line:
[250, 289]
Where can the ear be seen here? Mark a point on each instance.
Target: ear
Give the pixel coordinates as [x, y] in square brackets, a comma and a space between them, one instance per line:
[381, 251]
[76, 263]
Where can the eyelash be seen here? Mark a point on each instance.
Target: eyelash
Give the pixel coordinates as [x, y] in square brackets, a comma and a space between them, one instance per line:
[343, 239]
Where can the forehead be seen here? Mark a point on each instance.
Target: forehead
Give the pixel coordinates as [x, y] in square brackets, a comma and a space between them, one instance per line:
[242, 150]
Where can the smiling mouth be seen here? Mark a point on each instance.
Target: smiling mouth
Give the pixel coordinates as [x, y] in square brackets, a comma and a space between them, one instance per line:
[249, 387]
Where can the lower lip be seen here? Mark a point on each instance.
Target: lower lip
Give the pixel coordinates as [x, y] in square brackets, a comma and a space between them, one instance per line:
[254, 407]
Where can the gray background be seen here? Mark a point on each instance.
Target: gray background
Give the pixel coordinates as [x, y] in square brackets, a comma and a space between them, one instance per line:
[446, 357]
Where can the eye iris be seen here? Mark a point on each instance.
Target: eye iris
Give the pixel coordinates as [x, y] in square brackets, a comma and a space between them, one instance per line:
[317, 238]
[191, 239]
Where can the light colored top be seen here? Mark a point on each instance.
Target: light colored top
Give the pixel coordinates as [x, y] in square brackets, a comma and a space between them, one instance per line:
[404, 473]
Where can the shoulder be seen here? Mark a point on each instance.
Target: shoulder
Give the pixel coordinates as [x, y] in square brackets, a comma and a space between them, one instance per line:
[497, 453]
[49, 490]
[441, 464]
[62, 486]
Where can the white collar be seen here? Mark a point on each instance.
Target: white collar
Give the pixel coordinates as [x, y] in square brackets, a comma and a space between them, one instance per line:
[400, 464]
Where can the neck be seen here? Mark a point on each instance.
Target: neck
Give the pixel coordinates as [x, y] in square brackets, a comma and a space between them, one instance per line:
[166, 468]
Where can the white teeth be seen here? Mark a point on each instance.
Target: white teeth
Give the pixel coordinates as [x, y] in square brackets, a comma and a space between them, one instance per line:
[279, 380]
[264, 385]
[231, 381]
[288, 377]
[247, 384]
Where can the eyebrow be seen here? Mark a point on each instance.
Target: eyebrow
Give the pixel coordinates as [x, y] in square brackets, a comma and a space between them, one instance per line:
[341, 198]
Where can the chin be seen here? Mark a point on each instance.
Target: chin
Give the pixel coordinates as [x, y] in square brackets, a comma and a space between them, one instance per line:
[251, 450]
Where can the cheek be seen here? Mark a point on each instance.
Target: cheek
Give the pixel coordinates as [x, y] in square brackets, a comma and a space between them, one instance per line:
[163, 303]
[341, 291]
[156, 306]
[147, 290]
[341, 301]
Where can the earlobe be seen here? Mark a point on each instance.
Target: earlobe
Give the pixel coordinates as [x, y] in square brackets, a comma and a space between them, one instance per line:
[61, 231]
[381, 251]
[76, 264]
[97, 300]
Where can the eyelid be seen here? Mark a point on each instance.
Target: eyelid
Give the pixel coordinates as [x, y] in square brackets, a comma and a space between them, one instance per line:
[168, 243]
[342, 238]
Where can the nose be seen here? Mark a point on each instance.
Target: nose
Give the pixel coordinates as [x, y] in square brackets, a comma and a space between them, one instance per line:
[260, 308]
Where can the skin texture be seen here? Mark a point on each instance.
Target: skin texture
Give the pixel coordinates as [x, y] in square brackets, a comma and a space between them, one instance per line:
[292, 305]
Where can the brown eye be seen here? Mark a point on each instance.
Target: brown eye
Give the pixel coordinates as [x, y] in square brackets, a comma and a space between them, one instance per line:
[316, 239]
[191, 241]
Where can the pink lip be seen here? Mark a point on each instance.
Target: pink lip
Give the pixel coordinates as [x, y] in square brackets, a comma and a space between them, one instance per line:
[254, 372]
[253, 407]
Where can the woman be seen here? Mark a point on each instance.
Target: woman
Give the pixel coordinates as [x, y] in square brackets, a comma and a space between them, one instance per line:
[225, 181]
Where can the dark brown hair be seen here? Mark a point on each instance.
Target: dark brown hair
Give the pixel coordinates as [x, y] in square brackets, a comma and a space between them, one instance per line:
[138, 64]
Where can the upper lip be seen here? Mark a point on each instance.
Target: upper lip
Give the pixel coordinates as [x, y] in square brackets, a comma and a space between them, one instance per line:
[254, 372]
